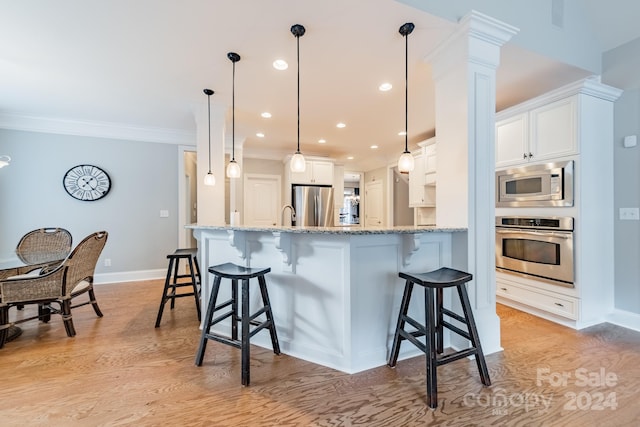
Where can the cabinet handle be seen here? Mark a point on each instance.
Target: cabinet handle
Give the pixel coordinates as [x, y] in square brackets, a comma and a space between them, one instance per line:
[558, 304]
[530, 155]
[524, 156]
[504, 289]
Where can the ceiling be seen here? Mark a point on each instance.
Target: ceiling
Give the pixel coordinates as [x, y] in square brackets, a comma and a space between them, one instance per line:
[145, 63]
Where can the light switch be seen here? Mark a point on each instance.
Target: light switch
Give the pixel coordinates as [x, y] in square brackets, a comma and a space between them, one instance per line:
[630, 141]
[164, 213]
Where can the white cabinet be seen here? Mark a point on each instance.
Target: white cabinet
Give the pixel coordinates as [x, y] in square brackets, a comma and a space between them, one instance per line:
[544, 133]
[317, 172]
[421, 194]
[430, 165]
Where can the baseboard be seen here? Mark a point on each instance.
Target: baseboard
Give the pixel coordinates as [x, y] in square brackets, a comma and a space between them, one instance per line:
[625, 319]
[129, 276]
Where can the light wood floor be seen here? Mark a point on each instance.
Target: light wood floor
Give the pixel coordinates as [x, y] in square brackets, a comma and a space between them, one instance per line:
[120, 370]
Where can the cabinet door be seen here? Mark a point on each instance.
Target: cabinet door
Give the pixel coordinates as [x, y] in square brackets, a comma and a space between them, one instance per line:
[417, 183]
[305, 177]
[322, 173]
[511, 141]
[553, 130]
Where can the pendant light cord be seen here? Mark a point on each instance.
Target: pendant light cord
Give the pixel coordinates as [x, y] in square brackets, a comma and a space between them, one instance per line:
[406, 93]
[209, 92]
[298, 60]
[233, 115]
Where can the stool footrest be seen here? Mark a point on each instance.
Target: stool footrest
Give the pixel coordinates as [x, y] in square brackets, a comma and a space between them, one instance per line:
[456, 329]
[259, 327]
[454, 315]
[224, 340]
[441, 360]
[411, 336]
[221, 318]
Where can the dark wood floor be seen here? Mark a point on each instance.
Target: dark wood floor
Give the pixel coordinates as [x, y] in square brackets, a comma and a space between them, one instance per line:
[120, 370]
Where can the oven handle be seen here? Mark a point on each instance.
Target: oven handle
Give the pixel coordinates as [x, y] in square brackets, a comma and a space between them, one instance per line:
[560, 234]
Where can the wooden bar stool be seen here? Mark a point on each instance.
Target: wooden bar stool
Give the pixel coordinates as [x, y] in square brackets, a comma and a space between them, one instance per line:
[235, 273]
[433, 328]
[172, 283]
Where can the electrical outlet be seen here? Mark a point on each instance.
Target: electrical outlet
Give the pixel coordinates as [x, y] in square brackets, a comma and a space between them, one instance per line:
[630, 214]
[164, 213]
[107, 262]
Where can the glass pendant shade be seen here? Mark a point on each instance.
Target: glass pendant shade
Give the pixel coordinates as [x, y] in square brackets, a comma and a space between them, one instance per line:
[233, 169]
[298, 164]
[406, 163]
[209, 179]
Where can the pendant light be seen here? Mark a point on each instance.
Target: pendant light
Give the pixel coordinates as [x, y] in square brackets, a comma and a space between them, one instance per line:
[233, 168]
[298, 163]
[209, 179]
[406, 161]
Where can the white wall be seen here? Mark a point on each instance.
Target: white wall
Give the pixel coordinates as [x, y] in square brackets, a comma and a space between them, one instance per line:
[144, 181]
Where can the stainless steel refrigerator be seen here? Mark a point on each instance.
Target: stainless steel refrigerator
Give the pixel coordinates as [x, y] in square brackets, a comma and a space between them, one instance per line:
[313, 205]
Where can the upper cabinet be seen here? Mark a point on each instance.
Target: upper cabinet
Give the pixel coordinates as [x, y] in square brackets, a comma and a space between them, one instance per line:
[422, 179]
[317, 172]
[543, 133]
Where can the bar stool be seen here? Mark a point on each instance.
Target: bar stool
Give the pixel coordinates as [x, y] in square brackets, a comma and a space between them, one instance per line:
[438, 280]
[235, 273]
[171, 283]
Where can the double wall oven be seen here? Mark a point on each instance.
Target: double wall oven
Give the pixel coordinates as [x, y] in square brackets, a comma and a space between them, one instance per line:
[537, 247]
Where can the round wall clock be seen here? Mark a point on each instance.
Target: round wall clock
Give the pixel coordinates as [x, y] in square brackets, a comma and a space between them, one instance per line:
[86, 182]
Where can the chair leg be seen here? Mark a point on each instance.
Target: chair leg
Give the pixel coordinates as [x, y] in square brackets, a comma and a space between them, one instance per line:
[4, 324]
[196, 294]
[67, 318]
[439, 322]
[430, 341]
[473, 333]
[207, 320]
[245, 333]
[94, 302]
[163, 300]
[176, 266]
[272, 325]
[234, 307]
[404, 307]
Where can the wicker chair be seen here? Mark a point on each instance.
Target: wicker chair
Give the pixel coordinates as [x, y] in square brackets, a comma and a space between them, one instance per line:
[73, 277]
[44, 245]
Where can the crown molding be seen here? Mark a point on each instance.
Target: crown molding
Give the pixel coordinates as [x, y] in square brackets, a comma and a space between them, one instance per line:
[96, 129]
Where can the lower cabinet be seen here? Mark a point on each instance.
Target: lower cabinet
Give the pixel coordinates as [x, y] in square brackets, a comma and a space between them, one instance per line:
[541, 299]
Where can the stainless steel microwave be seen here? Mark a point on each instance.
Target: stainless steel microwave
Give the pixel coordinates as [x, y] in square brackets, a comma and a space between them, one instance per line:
[547, 184]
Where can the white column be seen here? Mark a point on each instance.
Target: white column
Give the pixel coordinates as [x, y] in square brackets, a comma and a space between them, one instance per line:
[210, 199]
[464, 70]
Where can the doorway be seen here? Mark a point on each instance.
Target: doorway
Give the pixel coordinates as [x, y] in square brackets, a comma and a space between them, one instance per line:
[187, 195]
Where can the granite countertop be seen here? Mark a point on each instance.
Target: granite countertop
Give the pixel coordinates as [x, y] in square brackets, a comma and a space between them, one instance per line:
[334, 230]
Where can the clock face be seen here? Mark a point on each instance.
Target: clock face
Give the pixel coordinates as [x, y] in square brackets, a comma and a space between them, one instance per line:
[86, 182]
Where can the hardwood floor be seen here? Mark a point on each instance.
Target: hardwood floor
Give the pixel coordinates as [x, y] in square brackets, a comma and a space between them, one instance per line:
[120, 370]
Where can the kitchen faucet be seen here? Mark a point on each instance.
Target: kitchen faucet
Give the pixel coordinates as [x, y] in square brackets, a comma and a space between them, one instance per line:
[293, 214]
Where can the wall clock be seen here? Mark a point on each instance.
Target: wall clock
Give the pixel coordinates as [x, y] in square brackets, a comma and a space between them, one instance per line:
[86, 182]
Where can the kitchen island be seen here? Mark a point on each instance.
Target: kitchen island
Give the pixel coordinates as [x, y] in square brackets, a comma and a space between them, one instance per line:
[334, 291]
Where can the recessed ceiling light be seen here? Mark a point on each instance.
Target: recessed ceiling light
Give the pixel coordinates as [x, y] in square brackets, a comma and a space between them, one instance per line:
[373, 147]
[322, 141]
[402, 133]
[350, 158]
[385, 87]
[280, 64]
[260, 135]
[341, 125]
[266, 115]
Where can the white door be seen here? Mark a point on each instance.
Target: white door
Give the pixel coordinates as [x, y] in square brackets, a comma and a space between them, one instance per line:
[373, 206]
[261, 200]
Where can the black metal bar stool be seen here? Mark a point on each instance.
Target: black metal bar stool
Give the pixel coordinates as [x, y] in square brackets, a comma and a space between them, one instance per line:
[172, 283]
[235, 273]
[436, 281]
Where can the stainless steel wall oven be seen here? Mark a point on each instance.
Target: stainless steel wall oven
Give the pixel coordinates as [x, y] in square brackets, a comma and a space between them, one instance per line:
[539, 247]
